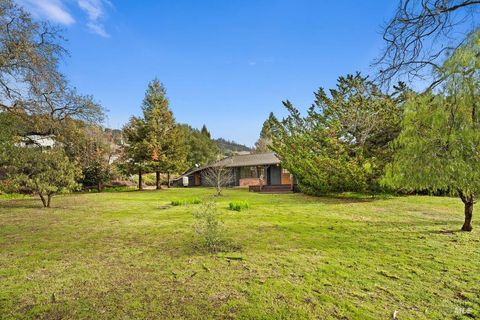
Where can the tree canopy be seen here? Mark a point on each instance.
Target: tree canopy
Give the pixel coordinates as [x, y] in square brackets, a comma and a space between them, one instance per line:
[439, 146]
[342, 142]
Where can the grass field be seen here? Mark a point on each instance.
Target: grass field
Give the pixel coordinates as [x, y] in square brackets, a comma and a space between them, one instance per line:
[123, 255]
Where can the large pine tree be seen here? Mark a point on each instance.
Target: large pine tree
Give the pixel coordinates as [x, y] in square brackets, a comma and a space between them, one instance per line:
[164, 139]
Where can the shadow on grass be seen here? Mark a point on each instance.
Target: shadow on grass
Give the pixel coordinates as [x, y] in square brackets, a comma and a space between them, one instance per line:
[345, 198]
[22, 203]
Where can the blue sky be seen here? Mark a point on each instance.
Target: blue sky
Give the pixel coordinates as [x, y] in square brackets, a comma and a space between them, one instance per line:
[225, 63]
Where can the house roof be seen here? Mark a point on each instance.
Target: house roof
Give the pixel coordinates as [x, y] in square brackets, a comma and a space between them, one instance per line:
[240, 160]
[246, 160]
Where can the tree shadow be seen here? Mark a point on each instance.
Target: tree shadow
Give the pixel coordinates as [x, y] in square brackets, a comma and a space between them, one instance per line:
[22, 203]
[346, 198]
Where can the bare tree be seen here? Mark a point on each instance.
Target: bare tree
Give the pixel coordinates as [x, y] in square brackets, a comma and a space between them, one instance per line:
[219, 177]
[31, 84]
[421, 35]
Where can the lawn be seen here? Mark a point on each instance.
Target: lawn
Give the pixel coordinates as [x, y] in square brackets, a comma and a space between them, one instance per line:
[131, 255]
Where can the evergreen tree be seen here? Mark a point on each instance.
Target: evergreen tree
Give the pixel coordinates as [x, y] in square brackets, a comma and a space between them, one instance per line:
[205, 131]
[265, 140]
[342, 143]
[201, 149]
[164, 140]
[135, 151]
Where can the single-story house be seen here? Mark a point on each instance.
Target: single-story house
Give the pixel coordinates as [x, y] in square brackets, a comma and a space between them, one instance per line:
[248, 170]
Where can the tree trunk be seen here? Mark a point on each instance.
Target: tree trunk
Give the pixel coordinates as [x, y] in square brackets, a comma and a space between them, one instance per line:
[468, 201]
[467, 225]
[43, 200]
[49, 199]
[168, 179]
[99, 186]
[140, 184]
[157, 181]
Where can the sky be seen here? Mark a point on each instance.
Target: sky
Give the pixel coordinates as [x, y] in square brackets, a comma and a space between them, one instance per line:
[225, 63]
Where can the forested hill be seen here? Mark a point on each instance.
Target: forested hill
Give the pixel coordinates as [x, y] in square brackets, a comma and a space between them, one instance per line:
[228, 147]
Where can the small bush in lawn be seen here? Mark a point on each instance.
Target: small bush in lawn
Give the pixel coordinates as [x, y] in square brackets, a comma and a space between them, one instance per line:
[238, 205]
[184, 202]
[208, 227]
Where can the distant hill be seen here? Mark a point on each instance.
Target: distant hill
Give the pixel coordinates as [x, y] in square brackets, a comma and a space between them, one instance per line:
[230, 147]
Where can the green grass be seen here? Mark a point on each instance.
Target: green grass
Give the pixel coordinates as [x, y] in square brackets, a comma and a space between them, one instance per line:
[238, 205]
[130, 255]
[184, 202]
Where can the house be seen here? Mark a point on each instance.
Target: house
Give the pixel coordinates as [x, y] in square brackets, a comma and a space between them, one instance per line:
[256, 171]
[37, 141]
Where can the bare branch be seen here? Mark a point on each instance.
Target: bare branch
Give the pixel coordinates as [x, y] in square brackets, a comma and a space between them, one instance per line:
[420, 35]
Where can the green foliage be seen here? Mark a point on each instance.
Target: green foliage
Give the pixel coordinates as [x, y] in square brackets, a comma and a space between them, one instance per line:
[228, 148]
[114, 189]
[164, 140]
[238, 205]
[154, 142]
[201, 148]
[11, 129]
[92, 148]
[208, 227]
[342, 142]
[265, 140]
[438, 148]
[44, 173]
[184, 202]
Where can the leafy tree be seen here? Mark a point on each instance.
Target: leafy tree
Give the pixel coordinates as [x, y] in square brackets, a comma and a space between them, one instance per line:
[438, 148]
[164, 140]
[201, 148]
[92, 148]
[45, 173]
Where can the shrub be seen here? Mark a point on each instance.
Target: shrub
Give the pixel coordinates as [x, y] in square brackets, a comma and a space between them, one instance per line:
[208, 227]
[238, 205]
[184, 202]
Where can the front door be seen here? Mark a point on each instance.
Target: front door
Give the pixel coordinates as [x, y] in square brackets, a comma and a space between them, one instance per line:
[275, 174]
[197, 179]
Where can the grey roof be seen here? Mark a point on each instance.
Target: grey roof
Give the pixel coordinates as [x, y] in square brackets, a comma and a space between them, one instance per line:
[240, 160]
[247, 160]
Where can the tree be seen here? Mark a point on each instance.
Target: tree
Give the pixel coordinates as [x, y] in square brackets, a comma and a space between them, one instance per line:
[164, 139]
[92, 148]
[265, 140]
[438, 148]
[201, 148]
[205, 132]
[135, 151]
[420, 36]
[218, 176]
[31, 85]
[45, 173]
[342, 142]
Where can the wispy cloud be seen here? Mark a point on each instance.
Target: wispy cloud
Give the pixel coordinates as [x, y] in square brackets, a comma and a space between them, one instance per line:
[57, 11]
[95, 10]
[51, 9]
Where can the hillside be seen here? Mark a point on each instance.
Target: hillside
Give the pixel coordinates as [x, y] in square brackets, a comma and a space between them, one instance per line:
[228, 147]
